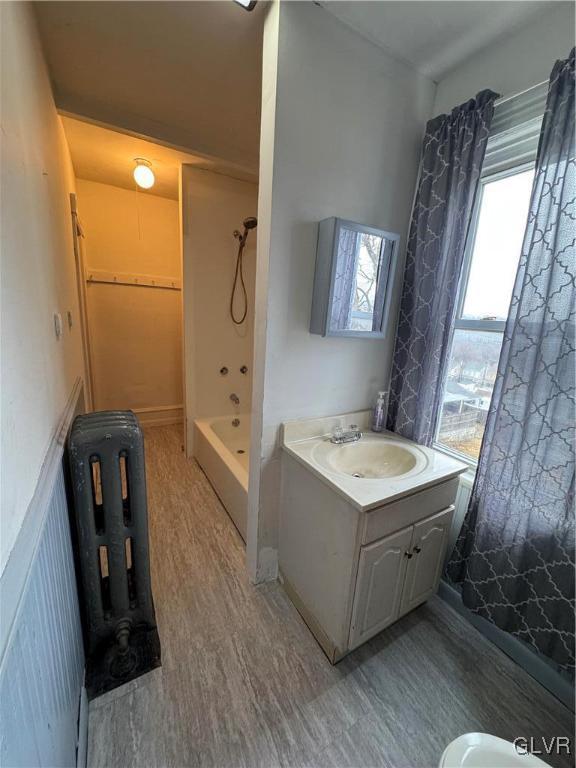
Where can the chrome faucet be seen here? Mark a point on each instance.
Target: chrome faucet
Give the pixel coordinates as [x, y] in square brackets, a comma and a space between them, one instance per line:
[352, 435]
[235, 399]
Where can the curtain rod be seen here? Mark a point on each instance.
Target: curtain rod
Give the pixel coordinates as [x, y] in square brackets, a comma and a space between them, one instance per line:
[504, 99]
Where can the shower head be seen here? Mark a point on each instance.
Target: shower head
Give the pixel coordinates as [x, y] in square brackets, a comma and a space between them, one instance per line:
[250, 223]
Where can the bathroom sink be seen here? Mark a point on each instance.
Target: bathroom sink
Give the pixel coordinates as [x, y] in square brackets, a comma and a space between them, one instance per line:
[370, 458]
[375, 470]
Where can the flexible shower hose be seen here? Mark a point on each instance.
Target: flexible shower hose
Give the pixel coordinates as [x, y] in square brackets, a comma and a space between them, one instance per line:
[239, 275]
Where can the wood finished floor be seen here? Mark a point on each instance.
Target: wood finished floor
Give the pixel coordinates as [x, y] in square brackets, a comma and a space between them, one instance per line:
[243, 682]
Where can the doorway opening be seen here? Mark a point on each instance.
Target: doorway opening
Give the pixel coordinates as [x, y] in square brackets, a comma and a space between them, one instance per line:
[156, 269]
[129, 274]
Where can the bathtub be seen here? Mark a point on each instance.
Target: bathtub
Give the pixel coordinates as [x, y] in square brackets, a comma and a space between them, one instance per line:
[223, 452]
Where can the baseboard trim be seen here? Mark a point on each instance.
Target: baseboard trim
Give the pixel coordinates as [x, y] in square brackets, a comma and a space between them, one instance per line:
[161, 415]
[82, 750]
[332, 652]
[17, 570]
[535, 666]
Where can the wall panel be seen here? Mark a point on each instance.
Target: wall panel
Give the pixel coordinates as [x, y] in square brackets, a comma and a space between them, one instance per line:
[41, 671]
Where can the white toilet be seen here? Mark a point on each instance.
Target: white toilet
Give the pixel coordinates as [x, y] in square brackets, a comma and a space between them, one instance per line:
[481, 750]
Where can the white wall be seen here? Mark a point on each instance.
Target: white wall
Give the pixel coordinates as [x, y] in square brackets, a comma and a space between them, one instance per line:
[213, 206]
[346, 127]
[262, 561]
[135, 331]
[510, 65]
[37, 271]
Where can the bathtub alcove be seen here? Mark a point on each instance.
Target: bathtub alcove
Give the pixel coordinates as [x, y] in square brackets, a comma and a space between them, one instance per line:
[222, 448]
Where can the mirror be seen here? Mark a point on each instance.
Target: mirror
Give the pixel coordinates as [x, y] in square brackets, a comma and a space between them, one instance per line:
[355, 265]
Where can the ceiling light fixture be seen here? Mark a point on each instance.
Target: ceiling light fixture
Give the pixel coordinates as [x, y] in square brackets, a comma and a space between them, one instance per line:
[143, 174]
[248, 5]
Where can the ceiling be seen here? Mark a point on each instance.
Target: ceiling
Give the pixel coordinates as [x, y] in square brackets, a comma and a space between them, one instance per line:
[188, 73]
[107, 156]
[435, 36]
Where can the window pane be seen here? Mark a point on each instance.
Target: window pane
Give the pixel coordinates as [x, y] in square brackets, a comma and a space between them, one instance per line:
[472, 370]
[370, 247]
[497, 246]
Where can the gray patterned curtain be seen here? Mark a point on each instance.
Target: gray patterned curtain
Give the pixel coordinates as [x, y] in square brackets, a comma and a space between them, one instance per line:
[515, 554]
[452, 155]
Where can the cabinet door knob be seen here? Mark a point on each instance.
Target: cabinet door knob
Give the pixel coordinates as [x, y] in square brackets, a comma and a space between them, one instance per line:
[408, 555]
[417, 549]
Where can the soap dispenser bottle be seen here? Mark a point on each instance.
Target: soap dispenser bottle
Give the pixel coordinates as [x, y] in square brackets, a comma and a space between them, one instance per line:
[379, 412]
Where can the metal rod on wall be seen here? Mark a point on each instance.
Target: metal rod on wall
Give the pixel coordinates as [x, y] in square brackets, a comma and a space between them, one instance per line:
[145, 281]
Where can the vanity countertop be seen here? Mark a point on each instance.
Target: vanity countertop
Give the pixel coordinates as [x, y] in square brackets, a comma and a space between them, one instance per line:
[304, 439]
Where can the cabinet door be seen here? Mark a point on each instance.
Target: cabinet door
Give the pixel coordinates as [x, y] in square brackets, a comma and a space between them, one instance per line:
[428, 549]
[377, 597]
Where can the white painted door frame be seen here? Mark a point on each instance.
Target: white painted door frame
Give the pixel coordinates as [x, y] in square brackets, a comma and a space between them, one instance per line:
[78, 237]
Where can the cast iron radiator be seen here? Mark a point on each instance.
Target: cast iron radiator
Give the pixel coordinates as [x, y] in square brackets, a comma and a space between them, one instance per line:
[106, 451]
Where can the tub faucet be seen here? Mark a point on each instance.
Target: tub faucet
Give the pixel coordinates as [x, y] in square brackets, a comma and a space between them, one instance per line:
[235, 399]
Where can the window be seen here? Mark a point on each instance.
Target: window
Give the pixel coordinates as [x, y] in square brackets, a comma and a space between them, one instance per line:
[368, 259]
[491, 261]
[489, 271]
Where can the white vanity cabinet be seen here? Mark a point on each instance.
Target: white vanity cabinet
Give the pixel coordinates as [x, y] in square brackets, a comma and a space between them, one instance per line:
[425, 560]
[379, 585]
[396, 574]
[353, 565]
